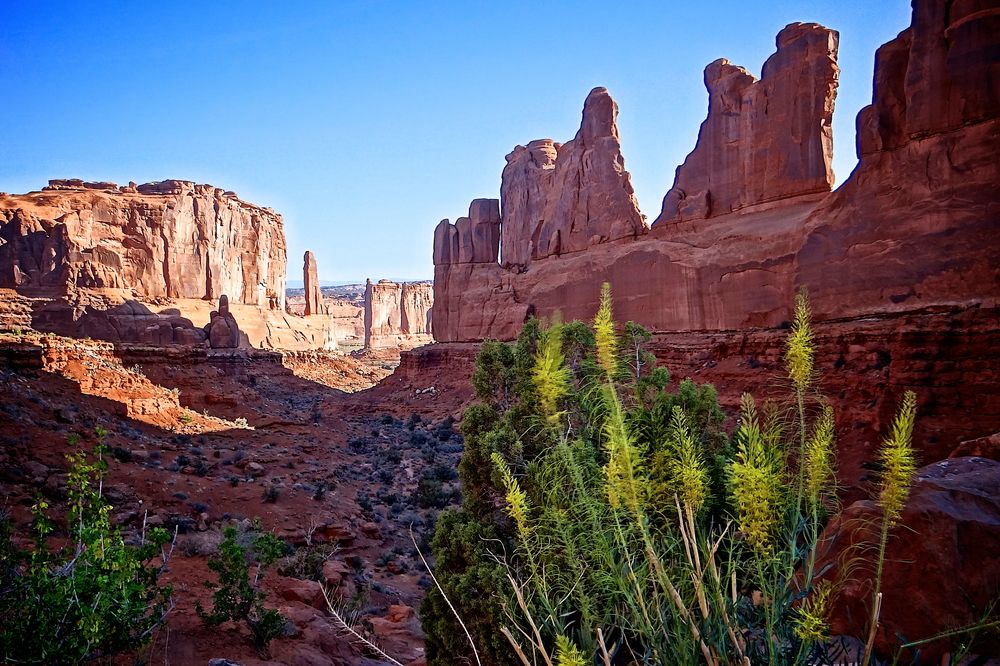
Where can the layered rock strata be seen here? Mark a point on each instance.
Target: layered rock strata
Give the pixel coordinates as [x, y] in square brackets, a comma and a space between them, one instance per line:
[399, 314]
[310, 278]
[762, 140]
[170, 239]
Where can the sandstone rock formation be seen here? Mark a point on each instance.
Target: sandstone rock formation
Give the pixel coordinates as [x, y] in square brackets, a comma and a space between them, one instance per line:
[222, 330]
[171, 239]
[134, 322]
[763, 140]
[310, 278]
[524, 191]
[909, 237]
[397, 314]
[591, 198]
[562, 198]
[416, 301]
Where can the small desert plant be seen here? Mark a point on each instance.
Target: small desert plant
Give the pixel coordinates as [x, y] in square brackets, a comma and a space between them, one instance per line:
[237, 597]
[91, 599]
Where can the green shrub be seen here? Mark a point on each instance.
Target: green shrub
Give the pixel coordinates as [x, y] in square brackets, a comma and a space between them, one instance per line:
[91, 599]
[237, 598]
[633, 529]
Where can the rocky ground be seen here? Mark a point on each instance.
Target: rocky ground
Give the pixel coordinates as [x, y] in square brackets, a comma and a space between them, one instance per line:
[203, 439]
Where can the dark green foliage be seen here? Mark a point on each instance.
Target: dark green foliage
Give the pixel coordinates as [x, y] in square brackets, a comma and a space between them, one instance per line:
[237, 598]
[472, 579]
[92, 599]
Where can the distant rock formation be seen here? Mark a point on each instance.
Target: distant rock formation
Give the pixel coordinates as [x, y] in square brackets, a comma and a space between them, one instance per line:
[170, 239]
[314, 297]
[763, 140]
[397, 315]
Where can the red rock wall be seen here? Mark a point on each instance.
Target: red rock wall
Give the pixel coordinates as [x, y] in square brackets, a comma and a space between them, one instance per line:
[397, 314]
[913, 228]
[171, 239]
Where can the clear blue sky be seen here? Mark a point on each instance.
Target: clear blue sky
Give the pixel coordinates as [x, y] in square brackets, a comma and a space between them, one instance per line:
[365, 123]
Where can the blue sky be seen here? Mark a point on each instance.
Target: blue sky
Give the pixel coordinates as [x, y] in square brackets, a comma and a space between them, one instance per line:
[365, 123]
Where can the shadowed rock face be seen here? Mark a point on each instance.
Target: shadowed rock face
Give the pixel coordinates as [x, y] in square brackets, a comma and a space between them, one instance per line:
[763, 140]
[310, 277]
[169, 239]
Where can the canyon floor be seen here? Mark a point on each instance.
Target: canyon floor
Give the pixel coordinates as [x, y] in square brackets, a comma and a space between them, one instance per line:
[203, 439]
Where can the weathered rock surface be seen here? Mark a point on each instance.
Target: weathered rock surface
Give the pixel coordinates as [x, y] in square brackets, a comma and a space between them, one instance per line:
[171, 239]
[133, 321]
[524, 192]
[397, 315]
[941, 560]
[310, 277]
[416, 301]
[763, 140]
[471, 240]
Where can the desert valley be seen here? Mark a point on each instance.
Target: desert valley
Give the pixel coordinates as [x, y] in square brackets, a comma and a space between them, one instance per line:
[156, 321]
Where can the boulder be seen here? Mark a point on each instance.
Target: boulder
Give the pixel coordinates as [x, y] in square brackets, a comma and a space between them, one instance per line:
[941, 560]
[222, 330]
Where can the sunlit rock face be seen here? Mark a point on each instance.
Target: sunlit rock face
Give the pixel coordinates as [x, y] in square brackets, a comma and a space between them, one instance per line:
[170, 239]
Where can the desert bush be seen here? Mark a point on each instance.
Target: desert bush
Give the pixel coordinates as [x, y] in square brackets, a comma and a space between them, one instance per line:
[237, 597]
[89, 600]
[634, 529]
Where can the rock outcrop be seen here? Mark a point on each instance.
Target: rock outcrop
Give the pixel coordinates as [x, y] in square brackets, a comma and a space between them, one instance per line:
[222, 330]
[763, 140]
[134, 322]
[171, 239]
[909, 237]
[941, 558]
[310, 278]
[563, 198]
[416, 301]
[397, 315]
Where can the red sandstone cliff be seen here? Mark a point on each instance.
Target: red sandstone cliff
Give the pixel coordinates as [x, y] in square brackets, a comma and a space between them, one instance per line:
[170, 239]
[913, 228]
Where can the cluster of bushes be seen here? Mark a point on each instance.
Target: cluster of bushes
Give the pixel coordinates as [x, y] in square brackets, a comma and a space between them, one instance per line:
[606, 519]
